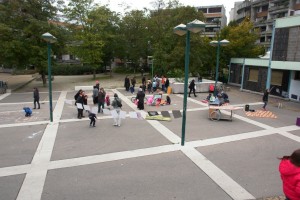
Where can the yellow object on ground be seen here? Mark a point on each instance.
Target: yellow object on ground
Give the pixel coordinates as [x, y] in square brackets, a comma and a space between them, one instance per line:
[158, 117]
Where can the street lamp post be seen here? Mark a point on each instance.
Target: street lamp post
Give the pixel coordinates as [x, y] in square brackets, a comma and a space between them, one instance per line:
[218, 44]
[195, 26]
[49, 39]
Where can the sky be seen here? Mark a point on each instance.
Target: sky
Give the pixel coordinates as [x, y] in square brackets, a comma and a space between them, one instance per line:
[121, 5]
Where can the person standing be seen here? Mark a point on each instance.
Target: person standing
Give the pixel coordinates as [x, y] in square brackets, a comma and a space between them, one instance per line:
[117, 105]
[266, 98]
[133, 82]
[95, 95]
[140, 97]
[289, 169]
[127, 83]
[149, 86]
[97, 85]
[80, 100]
[101, 100]
[192, 88]
[167, 84]
[144, 80]
[36, 98]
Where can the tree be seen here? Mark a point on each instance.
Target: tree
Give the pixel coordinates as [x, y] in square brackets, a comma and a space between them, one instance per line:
[242, 39]
[21, 24]
[86, 43]
[134, 28]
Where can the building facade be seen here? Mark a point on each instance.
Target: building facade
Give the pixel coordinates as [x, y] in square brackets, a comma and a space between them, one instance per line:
[215, 19]
[263, 13]
[284, 63]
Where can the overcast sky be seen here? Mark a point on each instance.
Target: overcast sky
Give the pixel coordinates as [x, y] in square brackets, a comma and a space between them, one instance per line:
[121, 5]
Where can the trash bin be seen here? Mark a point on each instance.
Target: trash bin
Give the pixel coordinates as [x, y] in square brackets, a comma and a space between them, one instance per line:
[247, 107]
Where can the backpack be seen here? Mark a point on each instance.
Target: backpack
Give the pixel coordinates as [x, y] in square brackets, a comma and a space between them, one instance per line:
[119, 104]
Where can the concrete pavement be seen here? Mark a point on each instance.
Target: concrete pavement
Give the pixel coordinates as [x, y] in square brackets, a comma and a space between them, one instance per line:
[142, 159]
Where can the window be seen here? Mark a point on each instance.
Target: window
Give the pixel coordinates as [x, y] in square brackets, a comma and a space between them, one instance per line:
[277, 78]
[253, 75]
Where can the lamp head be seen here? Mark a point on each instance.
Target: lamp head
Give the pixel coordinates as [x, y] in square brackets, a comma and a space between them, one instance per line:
[49, 38]
[180, 30]
[196, 26]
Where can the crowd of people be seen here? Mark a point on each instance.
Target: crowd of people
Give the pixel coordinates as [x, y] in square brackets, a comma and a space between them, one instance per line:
[151, 86]
[100, 98]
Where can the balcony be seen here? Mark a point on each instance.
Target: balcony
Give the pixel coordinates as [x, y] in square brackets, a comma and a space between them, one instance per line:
[276, 8]
[262, 14]
[259, 3]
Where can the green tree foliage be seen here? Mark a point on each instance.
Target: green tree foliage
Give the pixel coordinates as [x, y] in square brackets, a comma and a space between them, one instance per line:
[93, 29]
[21, 25]
[242, 39]
[169, 48]
[134, 29]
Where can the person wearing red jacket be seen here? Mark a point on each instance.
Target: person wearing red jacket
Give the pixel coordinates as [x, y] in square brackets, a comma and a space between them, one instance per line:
[289, 169]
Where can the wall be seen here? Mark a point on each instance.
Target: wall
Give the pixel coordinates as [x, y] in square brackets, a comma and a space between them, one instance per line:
[294, 87]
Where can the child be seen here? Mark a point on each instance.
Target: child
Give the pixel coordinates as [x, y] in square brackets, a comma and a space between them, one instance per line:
[107, 100]
[28, 111]
[93, 118]
[168, 100]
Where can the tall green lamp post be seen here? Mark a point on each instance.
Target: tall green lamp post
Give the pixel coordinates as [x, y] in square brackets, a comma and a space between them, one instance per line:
[195, 26]
[49, 39]
[218, 44]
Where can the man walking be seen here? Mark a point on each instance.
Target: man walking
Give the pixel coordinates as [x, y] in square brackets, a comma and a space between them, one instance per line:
[36, 98]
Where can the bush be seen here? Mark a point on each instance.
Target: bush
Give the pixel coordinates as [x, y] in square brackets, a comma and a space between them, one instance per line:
[64, 69]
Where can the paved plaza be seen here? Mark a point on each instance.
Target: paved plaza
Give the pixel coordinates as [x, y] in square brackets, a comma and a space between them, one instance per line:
[142, 159]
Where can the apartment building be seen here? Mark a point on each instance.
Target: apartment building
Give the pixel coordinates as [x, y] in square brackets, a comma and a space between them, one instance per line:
[215, 19]
[263, 13]
[284, 62]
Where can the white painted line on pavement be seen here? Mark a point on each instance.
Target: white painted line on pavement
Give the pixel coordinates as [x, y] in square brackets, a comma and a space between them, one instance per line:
[173, 138]
[23, 124]
[232, 188]
[289, 128]
[112, 156]
[3, 96]
[15, 170]
[289, 135]
[232, 138]
[34, 181]
[22, 103]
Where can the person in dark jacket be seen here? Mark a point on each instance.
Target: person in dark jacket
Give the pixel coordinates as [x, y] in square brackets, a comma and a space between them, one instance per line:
[192, 88]
[97, 85]
[92, 117]
[77, 95]
[80, 101]
[167, 84]
[140, 97]
[36, 98]
[101, 100]
[265, 98]
[117, 105]
[127, 83]
[95, 95]
[289, 169]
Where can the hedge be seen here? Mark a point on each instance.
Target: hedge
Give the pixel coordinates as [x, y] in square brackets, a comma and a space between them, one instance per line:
[74, 69]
